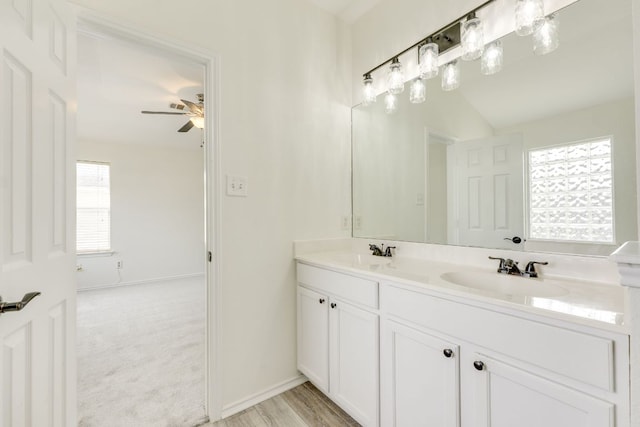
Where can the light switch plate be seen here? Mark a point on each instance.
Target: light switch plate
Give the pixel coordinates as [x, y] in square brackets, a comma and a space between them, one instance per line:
[237, 186]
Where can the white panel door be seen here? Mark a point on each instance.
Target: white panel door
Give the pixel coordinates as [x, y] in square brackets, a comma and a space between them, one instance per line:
[505, 396]
[489, 189]
[313, 337]
[419, 377]
[353, 346]
[37, 250]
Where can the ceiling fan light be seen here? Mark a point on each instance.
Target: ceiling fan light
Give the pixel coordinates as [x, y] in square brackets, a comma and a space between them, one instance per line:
[198, 122]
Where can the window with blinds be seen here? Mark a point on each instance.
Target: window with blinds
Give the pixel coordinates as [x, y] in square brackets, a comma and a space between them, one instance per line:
[93, 207]
[571, 192]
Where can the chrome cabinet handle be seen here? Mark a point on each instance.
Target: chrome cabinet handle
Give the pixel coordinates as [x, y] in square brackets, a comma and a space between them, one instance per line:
[6, 307]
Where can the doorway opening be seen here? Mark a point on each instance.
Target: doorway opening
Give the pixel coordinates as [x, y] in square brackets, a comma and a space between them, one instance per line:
[146, 299]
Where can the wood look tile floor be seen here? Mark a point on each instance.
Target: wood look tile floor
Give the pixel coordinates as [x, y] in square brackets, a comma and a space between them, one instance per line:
[303, 406]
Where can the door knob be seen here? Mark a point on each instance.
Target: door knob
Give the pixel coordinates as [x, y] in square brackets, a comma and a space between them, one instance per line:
[448, 353]
[17, 306]
[333, 305]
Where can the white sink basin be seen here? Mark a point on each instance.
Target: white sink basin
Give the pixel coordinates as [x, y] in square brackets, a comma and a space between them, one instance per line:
[504, 284]
[360, 259]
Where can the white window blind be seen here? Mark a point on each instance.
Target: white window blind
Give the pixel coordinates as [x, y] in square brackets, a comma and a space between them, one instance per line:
[571, 192]
[93, 208]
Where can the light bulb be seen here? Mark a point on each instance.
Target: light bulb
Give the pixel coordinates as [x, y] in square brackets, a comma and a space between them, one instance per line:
[390, 103]
[368, 91]
[492, 58]
[395, 79]
[529, 15]
[451, 76]
[472, 38]
[546, 39]
[418, 91]
[198, 122]
[428, 57]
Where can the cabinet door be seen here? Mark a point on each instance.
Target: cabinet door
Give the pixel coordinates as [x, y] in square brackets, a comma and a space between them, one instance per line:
[506, 396]
[313, 337]
[419, 378]
[354, 361]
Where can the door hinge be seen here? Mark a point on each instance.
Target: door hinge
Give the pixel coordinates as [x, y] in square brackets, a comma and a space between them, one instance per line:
[210, 256]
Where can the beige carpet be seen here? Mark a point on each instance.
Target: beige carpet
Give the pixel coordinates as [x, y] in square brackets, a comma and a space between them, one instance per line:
[141, 355]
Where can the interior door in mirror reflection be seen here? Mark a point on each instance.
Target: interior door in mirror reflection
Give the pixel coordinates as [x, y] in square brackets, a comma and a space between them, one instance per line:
[487, 180]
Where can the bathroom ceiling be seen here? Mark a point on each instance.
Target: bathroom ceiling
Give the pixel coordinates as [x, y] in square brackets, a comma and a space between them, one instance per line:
[348, 10]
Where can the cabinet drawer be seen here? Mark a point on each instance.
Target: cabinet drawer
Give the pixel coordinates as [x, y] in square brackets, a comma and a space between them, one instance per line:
[356, 289]
[576, 355]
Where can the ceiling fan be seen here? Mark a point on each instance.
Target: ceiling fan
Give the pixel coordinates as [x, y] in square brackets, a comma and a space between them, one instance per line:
[187, 108]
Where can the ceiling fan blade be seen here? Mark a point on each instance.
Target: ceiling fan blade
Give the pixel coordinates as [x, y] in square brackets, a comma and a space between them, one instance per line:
[186, 127]
[195, 108]
[163, 112]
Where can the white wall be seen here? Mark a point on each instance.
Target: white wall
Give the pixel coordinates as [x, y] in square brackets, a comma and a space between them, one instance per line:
[157, 214]
[285, 124]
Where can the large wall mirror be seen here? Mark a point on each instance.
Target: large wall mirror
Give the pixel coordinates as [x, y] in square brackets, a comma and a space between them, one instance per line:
[543, 150]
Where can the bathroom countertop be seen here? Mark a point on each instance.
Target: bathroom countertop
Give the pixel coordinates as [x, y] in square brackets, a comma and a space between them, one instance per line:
[589, 303]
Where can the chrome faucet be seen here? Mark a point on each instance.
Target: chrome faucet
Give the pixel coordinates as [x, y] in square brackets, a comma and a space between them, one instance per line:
[509, 266]
[381, 251]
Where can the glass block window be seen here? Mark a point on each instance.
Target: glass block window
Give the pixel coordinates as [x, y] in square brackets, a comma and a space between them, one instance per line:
[571, 192]
[93, 213]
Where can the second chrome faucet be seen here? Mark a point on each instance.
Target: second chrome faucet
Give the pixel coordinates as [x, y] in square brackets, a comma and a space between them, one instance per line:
[509, 266]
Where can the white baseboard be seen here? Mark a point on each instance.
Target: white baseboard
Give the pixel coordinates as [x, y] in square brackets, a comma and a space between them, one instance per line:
[241, 405]
[142, 282]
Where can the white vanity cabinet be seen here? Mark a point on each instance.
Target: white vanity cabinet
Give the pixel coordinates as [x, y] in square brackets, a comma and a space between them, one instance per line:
[420, 378]
[502, 370]
[338, 338]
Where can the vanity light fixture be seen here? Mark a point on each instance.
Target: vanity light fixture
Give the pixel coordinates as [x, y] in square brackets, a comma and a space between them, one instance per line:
[491, 61]
[451, 76]
[395, 78]
[472, 38]
[546, 38]
[368, 91]
[390, 103]
[468, 32]
[418, 91]
[428, 59]
[529, 16]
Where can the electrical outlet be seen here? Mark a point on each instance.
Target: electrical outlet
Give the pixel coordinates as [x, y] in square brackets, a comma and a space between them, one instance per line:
[346, 222]
[357, 222]
[237, 186]
[119, 265]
